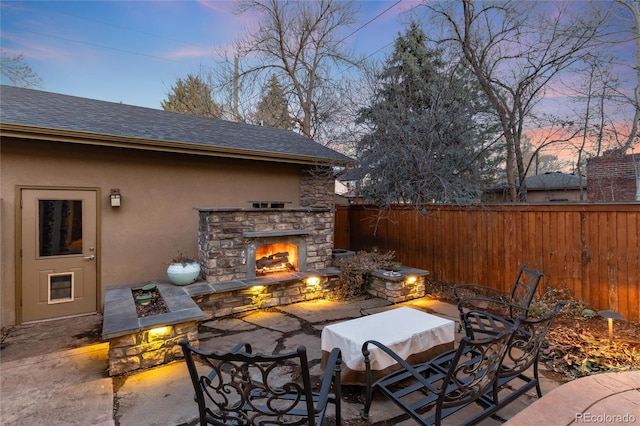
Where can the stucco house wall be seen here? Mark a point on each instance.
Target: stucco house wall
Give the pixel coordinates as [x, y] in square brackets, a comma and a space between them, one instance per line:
[553, 195]
[159, 193]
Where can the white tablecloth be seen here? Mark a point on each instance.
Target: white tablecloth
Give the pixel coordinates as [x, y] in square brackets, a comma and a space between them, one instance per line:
[405, 330]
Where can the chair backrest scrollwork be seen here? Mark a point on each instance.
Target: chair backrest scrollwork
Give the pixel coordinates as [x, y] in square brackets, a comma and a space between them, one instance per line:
[474, 369]
[525, 346]
[523, 290]
[243, 388]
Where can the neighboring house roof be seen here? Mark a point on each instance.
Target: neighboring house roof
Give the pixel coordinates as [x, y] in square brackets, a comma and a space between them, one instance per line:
[555, 180]
[549, 181]
[354, 174]
[35, 114]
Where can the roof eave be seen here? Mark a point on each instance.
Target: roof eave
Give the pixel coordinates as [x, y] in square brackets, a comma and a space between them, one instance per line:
[99, 139]
[557, 188]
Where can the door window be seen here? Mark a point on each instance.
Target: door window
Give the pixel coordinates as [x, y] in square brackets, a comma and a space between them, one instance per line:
[60, 227]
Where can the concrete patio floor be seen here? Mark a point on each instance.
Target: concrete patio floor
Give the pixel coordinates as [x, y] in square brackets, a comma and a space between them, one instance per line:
[55, 373]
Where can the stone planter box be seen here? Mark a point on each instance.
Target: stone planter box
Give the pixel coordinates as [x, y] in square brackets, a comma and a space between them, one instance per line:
[338, 254]
[397, 286]
[136, 343]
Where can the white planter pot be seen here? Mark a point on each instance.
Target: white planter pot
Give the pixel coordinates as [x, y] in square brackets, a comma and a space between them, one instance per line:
[183, 274]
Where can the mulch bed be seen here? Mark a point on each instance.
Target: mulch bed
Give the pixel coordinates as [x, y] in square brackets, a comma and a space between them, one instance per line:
[577, 345]
[155, 307]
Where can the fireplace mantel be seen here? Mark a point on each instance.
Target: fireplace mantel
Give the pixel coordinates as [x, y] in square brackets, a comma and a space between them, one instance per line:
[269, 234]
[253, 209]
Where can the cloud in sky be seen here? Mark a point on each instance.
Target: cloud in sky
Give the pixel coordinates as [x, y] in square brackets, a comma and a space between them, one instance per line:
[189, 52]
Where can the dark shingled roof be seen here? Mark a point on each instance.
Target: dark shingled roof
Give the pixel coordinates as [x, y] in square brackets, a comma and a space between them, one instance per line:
[80, 118]
[555, 180]
[548, 181]
[357, 173]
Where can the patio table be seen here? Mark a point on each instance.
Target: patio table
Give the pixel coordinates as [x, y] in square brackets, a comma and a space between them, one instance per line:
[414, 335]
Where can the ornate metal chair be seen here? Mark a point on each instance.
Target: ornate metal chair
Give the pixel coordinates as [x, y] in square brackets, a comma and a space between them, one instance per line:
[521, 356]
[474, 296]
[243, 388]
[434, 390]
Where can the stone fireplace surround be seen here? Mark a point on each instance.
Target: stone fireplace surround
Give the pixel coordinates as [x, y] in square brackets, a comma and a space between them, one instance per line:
[228, 239]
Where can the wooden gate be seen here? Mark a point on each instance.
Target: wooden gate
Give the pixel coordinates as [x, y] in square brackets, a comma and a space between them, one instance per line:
[341, 238]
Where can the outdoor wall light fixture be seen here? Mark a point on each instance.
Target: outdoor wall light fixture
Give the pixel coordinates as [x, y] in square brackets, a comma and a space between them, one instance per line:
[313, 281]
[610, 316]
[411, 279]
[115, 198]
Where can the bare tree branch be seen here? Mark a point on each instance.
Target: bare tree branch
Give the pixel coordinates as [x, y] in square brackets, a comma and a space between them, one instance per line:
[19, 73]
[299, 41]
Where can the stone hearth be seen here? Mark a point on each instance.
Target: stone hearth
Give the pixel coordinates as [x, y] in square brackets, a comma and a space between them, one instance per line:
[138, 343]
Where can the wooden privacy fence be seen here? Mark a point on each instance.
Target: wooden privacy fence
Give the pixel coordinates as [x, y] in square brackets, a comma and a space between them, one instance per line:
[592, 249]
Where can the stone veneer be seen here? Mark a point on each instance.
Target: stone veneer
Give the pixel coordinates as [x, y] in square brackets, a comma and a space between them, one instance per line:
[136, 343]
[225, 233]
[403, 284]
[317, 187]
[236, 297]
[149, 348]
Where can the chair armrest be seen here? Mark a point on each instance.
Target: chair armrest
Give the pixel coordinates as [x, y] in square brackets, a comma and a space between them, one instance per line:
[331, 375]
[238, 348]
[479, 323]
[495, 306]
[404, 364]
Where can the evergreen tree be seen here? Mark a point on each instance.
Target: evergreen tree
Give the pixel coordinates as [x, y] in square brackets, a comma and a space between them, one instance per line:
[428, 129]
[273, 109]
[192, 96]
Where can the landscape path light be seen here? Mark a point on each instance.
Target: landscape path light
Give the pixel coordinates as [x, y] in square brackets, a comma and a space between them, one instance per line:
[610, 316]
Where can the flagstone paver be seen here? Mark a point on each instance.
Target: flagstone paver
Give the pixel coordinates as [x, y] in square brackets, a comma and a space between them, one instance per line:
[79, 392]
[274, 321]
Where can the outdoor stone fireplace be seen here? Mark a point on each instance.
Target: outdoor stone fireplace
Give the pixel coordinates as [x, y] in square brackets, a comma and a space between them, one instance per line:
[254, 243]
[234, 246]
[272, 255]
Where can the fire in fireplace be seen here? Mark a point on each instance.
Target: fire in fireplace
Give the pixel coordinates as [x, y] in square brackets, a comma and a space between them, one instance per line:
[273, 252]
[276, 257]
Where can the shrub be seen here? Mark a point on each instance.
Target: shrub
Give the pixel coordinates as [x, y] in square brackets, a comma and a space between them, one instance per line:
[551, 296]
[356, 272]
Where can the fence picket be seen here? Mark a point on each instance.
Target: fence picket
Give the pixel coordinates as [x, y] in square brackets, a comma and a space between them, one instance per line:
[592, 249]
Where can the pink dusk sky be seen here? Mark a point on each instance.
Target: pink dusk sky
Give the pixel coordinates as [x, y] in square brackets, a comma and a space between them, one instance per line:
[133, 51]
